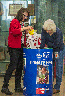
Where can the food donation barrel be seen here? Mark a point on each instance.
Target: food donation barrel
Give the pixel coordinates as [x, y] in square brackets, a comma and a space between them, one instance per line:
[38, 72]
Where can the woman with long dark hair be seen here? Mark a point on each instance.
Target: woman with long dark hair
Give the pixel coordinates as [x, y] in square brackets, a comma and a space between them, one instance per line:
[16, 51]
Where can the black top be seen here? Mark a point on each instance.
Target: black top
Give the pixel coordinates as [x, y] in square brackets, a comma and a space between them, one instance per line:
[54, 41]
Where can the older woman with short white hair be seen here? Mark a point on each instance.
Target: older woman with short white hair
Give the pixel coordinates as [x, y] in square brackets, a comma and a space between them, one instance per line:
[53, 38]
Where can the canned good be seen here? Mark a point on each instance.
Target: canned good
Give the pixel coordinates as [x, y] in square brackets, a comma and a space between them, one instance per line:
[56, 55]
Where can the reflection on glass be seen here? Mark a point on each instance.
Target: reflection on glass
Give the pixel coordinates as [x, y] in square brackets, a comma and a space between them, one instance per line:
[6, 18]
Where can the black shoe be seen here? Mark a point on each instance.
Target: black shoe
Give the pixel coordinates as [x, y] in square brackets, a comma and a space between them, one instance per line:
[55, 91]
[6, 91]
[19, 90]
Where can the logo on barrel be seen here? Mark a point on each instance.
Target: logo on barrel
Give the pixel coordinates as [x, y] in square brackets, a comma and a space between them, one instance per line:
[40, 90]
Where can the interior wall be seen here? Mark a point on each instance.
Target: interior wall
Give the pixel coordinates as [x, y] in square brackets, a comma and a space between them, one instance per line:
[44, 9]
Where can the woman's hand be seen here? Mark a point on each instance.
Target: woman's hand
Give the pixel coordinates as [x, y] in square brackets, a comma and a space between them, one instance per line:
[26, 28]
[30, 27]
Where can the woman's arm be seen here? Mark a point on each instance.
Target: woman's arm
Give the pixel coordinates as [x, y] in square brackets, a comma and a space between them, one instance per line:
[26, 28]
[58, 40]
[14, 27]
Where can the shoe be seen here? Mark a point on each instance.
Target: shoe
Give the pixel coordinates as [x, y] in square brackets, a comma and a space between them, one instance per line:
[6, 91]
[19, 90]
[55, 91]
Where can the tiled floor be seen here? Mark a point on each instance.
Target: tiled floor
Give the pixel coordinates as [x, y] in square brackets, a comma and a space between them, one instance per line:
[12, 86]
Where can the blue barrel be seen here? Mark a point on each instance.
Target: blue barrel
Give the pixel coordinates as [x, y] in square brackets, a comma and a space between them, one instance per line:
[38, 68]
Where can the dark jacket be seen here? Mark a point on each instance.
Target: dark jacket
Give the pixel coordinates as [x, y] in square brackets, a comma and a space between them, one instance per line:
[54, 41]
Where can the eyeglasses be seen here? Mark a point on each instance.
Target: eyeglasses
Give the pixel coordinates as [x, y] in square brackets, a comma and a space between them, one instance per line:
[25, 16]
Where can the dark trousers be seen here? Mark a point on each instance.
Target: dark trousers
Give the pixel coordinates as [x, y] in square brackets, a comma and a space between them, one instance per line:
[16, 62]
